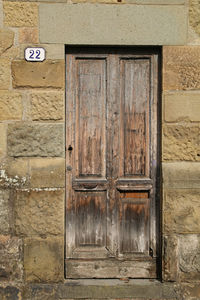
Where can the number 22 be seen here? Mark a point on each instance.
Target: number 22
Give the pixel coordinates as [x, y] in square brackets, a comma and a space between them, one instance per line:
[37, 52]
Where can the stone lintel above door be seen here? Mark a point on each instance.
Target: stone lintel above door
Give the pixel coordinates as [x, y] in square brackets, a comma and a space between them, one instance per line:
[116, 24]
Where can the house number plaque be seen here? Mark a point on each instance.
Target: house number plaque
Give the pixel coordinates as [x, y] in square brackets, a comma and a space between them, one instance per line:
[35, 54]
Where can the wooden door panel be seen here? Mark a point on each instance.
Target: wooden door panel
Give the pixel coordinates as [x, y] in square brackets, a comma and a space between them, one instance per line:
[90, 82]
[134, 226]
[111, 157]
[86, 133]
[90, 219]
[135, 87]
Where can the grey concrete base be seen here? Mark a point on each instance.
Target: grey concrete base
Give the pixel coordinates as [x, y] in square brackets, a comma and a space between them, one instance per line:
[117, 289]
[102, 289]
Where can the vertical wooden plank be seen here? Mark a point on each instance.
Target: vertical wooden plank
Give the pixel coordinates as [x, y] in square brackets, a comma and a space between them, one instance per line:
[86, 210]
[155, 163]
[70, 143]
[135, 85]
[113, 107]
[90, 122]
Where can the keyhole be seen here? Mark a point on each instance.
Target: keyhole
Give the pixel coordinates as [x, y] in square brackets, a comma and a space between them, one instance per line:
[70, 148]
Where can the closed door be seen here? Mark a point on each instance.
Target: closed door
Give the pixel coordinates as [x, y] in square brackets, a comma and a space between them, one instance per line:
[112, 207]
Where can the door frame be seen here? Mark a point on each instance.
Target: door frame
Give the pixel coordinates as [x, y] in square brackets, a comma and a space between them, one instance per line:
[137, 50]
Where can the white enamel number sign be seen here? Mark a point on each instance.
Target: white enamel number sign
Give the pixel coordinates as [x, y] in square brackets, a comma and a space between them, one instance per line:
[34, 54]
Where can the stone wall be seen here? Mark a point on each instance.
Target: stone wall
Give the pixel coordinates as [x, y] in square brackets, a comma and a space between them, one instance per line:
[32, 176]
[181, 162]
[32, 160]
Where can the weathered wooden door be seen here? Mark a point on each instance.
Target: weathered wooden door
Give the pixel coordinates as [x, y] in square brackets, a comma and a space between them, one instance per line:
[112, 227]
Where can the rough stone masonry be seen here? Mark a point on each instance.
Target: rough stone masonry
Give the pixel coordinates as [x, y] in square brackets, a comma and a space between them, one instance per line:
[32, 144]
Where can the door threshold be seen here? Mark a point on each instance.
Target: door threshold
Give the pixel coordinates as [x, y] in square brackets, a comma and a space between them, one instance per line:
[111, 282]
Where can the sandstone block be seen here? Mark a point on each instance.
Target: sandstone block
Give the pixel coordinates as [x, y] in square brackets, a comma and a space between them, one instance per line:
[1, 13]
[28, 35]
[10, 292]
[49, 73]
[182, 106]
[14, 173]
[39, 212]
[10, 260]
[170, 258]
[47, 106]
[18, 167]
[191, 290]
[194, 12]
[20, 14]
[181, 142]
[10, 106]
[4, 212]
[5, 77]
[193, 37]
[41, 291]
[35, 140]
[44, 259]
[189, 257]
[181, 67]
[3, 139]
[181, 175]
[47, 172]
[181, 211]
[6, 39]
[11, 53]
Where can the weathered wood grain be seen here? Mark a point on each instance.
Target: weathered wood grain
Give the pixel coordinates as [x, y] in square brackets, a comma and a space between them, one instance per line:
[90, 117]
[90, 217]
[135, 116]
[112, 169]
[134, 217]
[111, 269]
